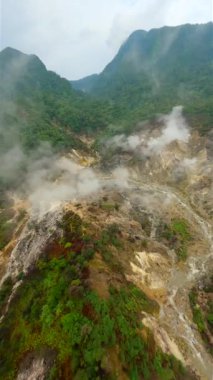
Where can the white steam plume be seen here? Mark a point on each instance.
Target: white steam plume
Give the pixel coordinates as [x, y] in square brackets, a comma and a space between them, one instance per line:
[61, 180]
[175, 128]
[129, 143]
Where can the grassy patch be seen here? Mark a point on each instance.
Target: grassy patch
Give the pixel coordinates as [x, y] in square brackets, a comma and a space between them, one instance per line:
[107, 206]
[110, 237]
[177, 236]
[7, 227]
[181, 228]
[5, 292]
[8, 224]
[202, 316]
[198, 317]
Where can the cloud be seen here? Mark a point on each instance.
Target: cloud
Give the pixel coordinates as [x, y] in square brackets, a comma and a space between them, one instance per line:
[77, 38]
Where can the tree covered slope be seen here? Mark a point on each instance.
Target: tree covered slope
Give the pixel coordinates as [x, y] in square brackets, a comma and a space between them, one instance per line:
[156, 70]
[38, 105]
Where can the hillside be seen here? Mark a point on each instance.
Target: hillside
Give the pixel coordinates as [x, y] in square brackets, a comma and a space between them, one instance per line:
[105, 265]
[156, 70]
[105, 220]
[38, 105]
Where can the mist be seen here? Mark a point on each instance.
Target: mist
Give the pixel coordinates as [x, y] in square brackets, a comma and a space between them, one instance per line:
[171, 127]
[129, 143]
[64, 180]
[46, 179]
[175, 129]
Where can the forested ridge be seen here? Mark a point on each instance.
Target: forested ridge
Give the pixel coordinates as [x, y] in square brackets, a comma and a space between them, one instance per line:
[156, 70]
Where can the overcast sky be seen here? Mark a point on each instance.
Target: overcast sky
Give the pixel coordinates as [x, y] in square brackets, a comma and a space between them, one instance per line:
[76, 38]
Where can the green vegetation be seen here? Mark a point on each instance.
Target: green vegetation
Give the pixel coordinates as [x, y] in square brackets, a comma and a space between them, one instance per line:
[142, 81]
[109, 237]
[176, 235]
[37, 105]
[182, 253]
[156, 70]
[55, 308]
[202, 310]
[8, 223]
[181, 228]
[7, 227]
[198, 317]
[5, 292]
[210, 315]
[109, 206]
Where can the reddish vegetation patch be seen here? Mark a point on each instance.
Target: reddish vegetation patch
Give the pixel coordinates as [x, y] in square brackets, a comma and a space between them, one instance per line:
[65, 372]
[89, 312]
[54, 249]
[77, 245]
[85, 273]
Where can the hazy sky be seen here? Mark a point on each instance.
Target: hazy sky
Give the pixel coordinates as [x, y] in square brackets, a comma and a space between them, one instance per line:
[79, 37]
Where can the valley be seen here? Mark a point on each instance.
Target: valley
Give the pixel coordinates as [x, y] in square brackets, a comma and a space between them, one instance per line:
[106, 245]
[162, 243]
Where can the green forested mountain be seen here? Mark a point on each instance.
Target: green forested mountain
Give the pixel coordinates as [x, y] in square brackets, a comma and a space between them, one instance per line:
[152, 72]
[38, 105]
[156, 70]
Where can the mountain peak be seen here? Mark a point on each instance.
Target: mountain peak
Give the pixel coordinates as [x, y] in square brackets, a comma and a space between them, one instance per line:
[160, 50]
[10, 56]
[10, 51]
